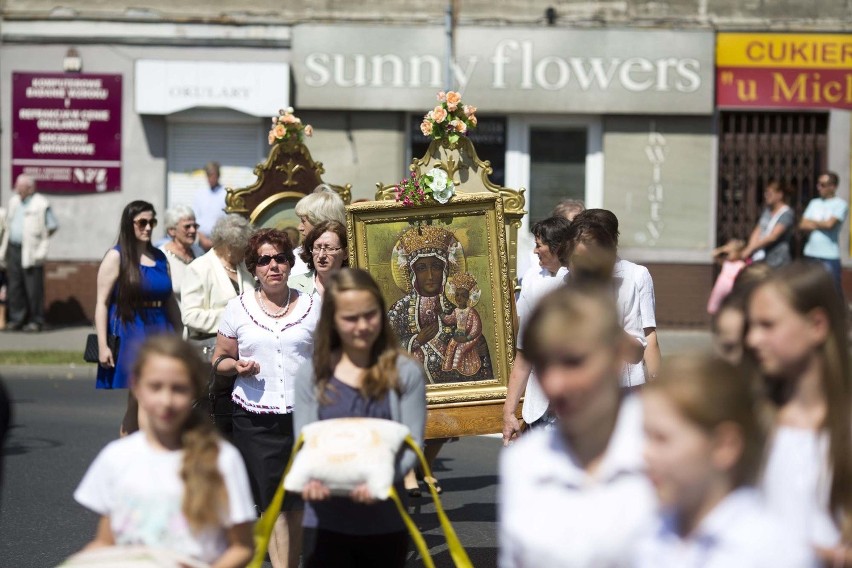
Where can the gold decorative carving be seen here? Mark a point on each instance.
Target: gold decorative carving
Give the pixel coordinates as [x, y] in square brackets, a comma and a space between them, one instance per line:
[470, 175]
[288, 168]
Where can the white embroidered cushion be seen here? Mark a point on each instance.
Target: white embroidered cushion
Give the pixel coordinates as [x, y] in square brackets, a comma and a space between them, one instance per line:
[345, 452]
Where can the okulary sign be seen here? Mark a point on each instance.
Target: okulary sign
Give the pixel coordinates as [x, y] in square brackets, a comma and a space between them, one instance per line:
[66, 131]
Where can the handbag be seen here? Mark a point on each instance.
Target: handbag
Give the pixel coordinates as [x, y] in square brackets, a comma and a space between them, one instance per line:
[91, 353]
[219, 404]
[331, 439]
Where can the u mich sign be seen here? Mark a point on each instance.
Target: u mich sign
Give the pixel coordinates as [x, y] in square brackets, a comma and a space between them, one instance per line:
[784, 71]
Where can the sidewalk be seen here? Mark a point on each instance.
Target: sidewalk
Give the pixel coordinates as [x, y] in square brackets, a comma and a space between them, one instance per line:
[60, 339]
[74, 339]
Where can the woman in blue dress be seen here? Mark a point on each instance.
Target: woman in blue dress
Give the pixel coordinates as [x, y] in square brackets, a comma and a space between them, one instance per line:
[135, 300]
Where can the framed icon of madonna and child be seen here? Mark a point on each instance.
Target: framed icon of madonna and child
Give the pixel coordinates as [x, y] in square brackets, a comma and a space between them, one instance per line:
[443, 270]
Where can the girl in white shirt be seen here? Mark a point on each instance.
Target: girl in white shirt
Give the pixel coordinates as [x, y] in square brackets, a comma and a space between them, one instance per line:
[703, 446]
[798, 333]
[175, 484]
[576, 495]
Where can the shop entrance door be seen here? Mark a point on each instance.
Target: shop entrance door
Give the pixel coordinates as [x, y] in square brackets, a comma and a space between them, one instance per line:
[755, 147]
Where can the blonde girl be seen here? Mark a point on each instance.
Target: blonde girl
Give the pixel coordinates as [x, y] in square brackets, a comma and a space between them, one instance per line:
[798, 334]
[358, 370]
[576, 495]
[703, 447]
[175, 484]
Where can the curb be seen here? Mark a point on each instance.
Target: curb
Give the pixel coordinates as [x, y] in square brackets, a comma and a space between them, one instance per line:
[83, 371]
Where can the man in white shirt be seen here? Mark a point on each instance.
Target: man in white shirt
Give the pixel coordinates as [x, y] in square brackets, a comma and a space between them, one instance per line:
[209, 205]
[23, 247]
[823, 218]
[550, 235]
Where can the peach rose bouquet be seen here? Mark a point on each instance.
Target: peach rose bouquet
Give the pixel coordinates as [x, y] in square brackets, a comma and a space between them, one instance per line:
[450, 120]
[288, 127]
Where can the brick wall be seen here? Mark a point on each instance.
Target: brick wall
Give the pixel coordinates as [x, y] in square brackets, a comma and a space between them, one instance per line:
[70, 292]
[682, 291]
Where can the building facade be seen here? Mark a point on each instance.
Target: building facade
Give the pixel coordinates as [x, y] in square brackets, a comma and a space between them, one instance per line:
[615, 103]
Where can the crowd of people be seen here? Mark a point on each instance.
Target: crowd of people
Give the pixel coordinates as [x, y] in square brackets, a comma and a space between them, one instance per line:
[741, 457]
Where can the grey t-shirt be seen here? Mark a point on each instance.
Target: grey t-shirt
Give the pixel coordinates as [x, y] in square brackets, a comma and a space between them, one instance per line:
[341, 514]
[779, 252]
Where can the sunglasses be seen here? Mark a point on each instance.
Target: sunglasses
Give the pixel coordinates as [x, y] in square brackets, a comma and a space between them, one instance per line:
[142, 223]
[279, 258]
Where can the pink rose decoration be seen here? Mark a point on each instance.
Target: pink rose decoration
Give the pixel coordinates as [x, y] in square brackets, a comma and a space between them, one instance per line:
[459, 126]
[426, 128]
[439, 114]
[442, 96]
[309, 130]
[472, 120]
[280, 131]
[453, 98]
[271, 138]
[469, 110]
[289, 119]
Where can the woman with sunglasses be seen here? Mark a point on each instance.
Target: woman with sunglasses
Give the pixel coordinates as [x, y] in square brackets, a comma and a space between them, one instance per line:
[134, 300]
[324, 252]
[180, 248]
[265, 336]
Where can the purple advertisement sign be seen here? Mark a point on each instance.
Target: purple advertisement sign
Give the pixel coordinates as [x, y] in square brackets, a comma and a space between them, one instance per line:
[66, 131]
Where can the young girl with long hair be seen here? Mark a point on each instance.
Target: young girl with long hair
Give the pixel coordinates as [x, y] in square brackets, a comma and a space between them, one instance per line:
[134, 300]
[704, 447]
[175, 484]
[576, 495]
[358, 370]
[798, 335]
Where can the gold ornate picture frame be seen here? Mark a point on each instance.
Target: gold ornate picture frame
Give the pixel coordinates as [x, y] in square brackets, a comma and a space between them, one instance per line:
[443, 271]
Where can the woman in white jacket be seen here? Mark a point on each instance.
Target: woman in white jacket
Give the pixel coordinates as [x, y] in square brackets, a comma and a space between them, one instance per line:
[213, 279]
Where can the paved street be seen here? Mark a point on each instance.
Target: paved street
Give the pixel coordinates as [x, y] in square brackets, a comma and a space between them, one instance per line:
[61, 423]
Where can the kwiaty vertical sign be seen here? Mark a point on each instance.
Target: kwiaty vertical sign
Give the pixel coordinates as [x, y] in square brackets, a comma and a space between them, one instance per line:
[784, 71]
[66, 131]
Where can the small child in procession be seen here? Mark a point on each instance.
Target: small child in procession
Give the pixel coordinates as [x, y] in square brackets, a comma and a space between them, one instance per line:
[175, 484]
[704, 448]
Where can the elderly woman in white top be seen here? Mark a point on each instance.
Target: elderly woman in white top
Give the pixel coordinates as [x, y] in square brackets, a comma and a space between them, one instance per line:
[325, 252]
[324, 204]
[265, 337]
[213, 279]
[181, 248]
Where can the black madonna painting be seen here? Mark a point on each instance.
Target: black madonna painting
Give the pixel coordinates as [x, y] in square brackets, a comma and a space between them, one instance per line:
[436, 320]
[442, 271]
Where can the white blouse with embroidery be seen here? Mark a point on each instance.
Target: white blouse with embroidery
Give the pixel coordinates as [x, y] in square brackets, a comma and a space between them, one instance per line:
[279, 345]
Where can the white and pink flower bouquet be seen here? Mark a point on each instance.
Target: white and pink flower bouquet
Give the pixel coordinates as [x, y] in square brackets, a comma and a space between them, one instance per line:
[435, 184]
[450, 120]
[287, 127]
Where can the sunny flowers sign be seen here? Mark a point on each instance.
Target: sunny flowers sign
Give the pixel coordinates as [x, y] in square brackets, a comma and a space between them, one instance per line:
[450, 120]
[288, 127]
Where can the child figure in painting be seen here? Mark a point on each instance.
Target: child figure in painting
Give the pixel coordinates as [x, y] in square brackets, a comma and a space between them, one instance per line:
[462, 352]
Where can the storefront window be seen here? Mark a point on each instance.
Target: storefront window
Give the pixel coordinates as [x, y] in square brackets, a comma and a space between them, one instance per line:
[557, 168]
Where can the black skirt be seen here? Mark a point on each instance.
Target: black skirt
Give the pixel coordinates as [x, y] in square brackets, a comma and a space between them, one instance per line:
[265, 442]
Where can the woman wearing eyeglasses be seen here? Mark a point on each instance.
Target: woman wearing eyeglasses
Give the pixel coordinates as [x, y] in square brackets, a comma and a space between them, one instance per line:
[324, 252]
[134, 300]
[265, 336]
[180, 249]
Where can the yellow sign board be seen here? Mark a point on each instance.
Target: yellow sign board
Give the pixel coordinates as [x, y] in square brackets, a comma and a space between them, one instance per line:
[784, 51]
